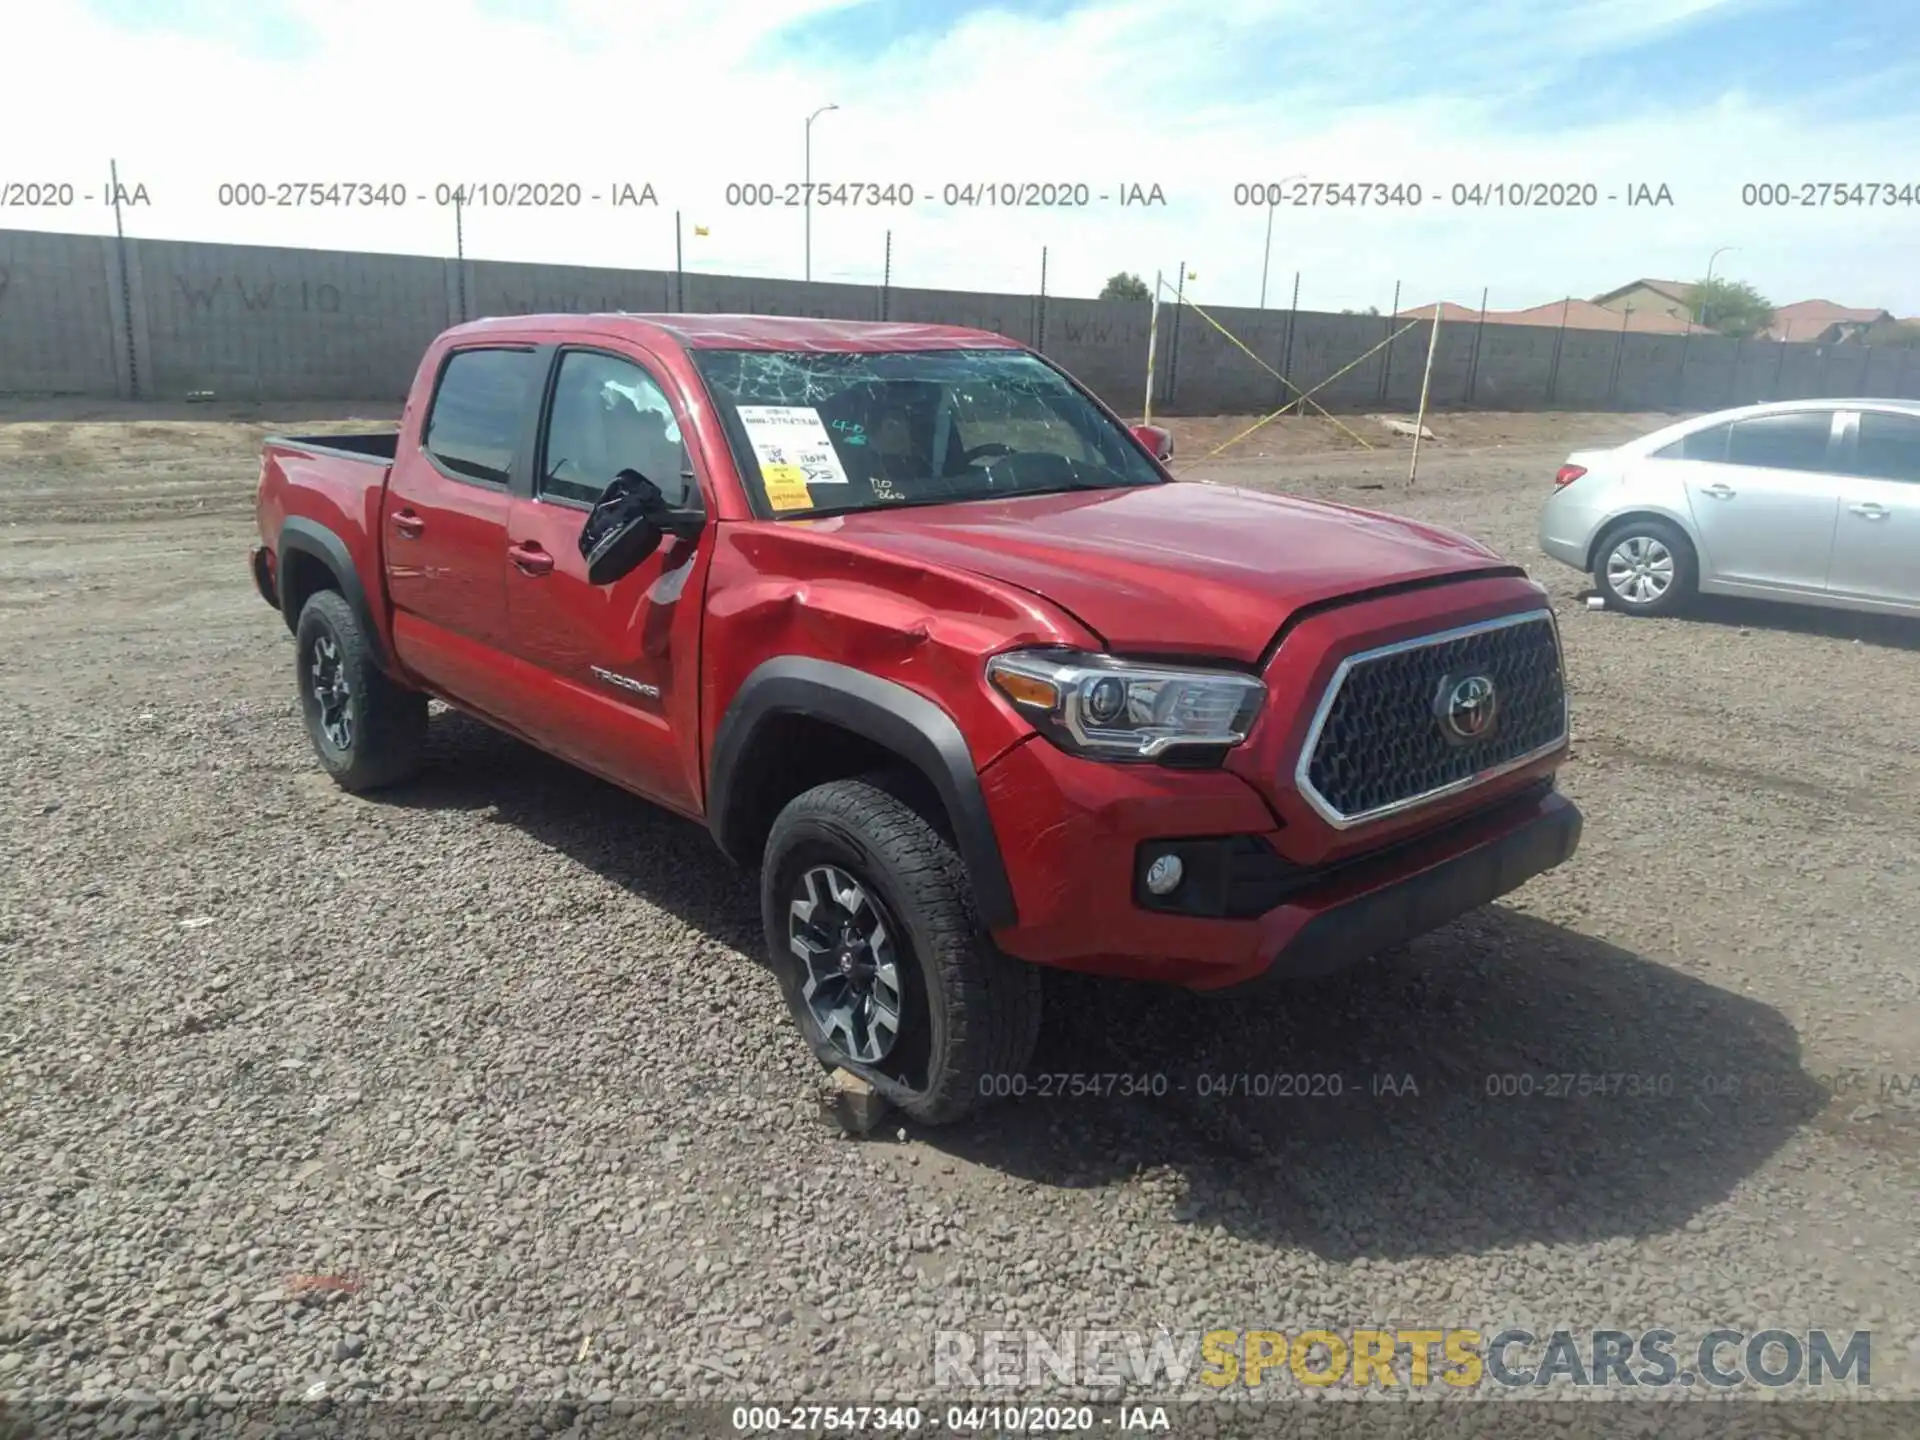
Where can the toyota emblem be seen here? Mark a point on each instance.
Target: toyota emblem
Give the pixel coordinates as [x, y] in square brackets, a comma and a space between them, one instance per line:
[1466, 708]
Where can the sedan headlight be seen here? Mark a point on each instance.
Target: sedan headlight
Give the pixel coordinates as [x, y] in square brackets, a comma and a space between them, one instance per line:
[1098, 706]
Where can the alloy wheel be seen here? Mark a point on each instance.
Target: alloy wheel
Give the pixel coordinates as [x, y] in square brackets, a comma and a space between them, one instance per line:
[851, 964]
[332, 694]
[1640, 569]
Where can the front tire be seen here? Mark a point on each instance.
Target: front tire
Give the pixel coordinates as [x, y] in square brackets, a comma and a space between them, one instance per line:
[367, 731]
[871, 926]
[1646, 567]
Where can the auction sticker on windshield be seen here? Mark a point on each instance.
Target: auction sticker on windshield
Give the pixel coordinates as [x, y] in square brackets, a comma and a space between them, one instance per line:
[792, 435]
[786, 487]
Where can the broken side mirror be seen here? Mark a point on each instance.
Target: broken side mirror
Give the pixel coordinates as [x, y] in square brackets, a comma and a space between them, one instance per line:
[621, 549]
[623, 529]
[1159, 442]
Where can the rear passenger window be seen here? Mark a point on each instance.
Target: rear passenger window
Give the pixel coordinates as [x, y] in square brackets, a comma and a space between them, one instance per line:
[1707, 444]
[1888, 447]
[474, 426]
[1797, 441]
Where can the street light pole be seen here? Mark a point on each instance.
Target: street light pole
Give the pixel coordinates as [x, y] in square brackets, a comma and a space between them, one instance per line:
[1266, 260]
[1700, 316]
[808, 196]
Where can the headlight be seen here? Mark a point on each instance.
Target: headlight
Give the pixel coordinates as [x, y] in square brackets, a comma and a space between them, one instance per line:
[1095, 705]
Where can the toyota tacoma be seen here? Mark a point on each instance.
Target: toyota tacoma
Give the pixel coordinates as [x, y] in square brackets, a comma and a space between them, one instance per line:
[925, 634]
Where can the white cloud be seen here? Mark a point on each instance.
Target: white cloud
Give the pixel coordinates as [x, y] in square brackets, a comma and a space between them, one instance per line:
[683, 96]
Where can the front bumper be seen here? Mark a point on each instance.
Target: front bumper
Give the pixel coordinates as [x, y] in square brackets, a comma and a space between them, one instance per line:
[1411, 890]
[1071, 832]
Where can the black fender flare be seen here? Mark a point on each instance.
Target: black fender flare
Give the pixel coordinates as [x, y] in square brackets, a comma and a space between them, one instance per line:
[299, 535]
[908, 724]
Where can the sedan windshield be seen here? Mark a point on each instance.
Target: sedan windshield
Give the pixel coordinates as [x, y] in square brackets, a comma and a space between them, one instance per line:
[819, 432]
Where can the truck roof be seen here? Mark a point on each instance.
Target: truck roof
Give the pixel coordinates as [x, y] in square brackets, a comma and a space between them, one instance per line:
[748, 332]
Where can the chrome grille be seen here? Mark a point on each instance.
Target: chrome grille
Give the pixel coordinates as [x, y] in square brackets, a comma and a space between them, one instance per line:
[1382, 740]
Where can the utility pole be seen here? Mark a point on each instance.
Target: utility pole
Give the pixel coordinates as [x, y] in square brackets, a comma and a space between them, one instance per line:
[1273, 198]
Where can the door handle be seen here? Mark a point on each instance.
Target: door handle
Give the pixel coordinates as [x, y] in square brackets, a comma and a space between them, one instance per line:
[408, 524]
[531, 559]
[1719, 491]
[1870, 511]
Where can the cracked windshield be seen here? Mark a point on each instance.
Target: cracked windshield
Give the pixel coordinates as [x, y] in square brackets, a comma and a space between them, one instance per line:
[817, 433]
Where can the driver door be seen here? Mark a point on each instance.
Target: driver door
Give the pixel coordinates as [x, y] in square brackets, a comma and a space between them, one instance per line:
[611, 671]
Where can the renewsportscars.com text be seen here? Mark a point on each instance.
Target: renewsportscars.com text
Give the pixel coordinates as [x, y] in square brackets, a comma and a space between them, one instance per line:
[1394, 1357]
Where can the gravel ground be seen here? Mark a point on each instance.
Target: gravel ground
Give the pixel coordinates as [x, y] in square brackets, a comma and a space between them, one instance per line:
[477, 1090]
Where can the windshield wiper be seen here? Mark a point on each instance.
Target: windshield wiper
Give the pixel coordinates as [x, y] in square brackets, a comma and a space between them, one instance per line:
[824, 512]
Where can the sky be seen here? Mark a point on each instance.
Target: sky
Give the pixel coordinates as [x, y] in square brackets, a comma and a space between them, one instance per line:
[1701, 99]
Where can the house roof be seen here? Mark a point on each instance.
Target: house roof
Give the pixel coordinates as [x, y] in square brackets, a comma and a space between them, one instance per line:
[1588, 315]
[1450, 313]
[1674, 290]
[1576, 314]
[1806, 319]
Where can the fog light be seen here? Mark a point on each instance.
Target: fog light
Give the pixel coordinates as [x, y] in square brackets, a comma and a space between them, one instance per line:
[1164, 874]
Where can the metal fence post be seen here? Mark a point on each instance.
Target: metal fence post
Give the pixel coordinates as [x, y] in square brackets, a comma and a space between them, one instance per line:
[460, 255]
[1173, 340]
[1619, 354]
[1153, 339]
[1386, 359]
[1680, 383]
[1293, 314]
[1559, 341]
[1473, 359]
[1041, 328]
[126, 284]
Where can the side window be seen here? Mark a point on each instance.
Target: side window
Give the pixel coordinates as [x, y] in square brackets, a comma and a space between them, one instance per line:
[1707, 444]
[609, 415]
[1888, 447]
[1796, 441]
[474, 425]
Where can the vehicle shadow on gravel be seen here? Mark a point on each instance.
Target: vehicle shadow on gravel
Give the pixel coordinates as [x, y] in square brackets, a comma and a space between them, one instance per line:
[1500, 1082]
[660, 857]
[1894, 632]
[1504, 1081]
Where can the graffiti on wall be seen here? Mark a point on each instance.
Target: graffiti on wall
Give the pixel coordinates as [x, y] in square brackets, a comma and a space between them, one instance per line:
[217, 297]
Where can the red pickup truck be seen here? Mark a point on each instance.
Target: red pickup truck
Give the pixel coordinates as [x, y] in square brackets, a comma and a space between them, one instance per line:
[915, 625]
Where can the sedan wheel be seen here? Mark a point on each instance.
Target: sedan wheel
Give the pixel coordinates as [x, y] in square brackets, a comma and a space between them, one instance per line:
[1640, 570]
[1645, 567]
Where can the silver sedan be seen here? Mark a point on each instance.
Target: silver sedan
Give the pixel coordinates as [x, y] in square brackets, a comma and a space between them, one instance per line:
[1814, 501]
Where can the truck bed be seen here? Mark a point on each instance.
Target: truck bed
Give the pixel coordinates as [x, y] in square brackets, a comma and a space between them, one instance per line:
[378, 446]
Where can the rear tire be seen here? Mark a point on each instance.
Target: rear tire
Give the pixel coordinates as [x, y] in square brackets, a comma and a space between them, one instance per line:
[929, 1013]
[1646, 567]
[367, 731]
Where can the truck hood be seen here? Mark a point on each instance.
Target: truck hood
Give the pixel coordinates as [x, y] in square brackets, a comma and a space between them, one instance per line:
[1186, 568]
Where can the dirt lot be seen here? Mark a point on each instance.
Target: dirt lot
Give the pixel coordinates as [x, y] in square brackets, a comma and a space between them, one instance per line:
[496, 1048]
